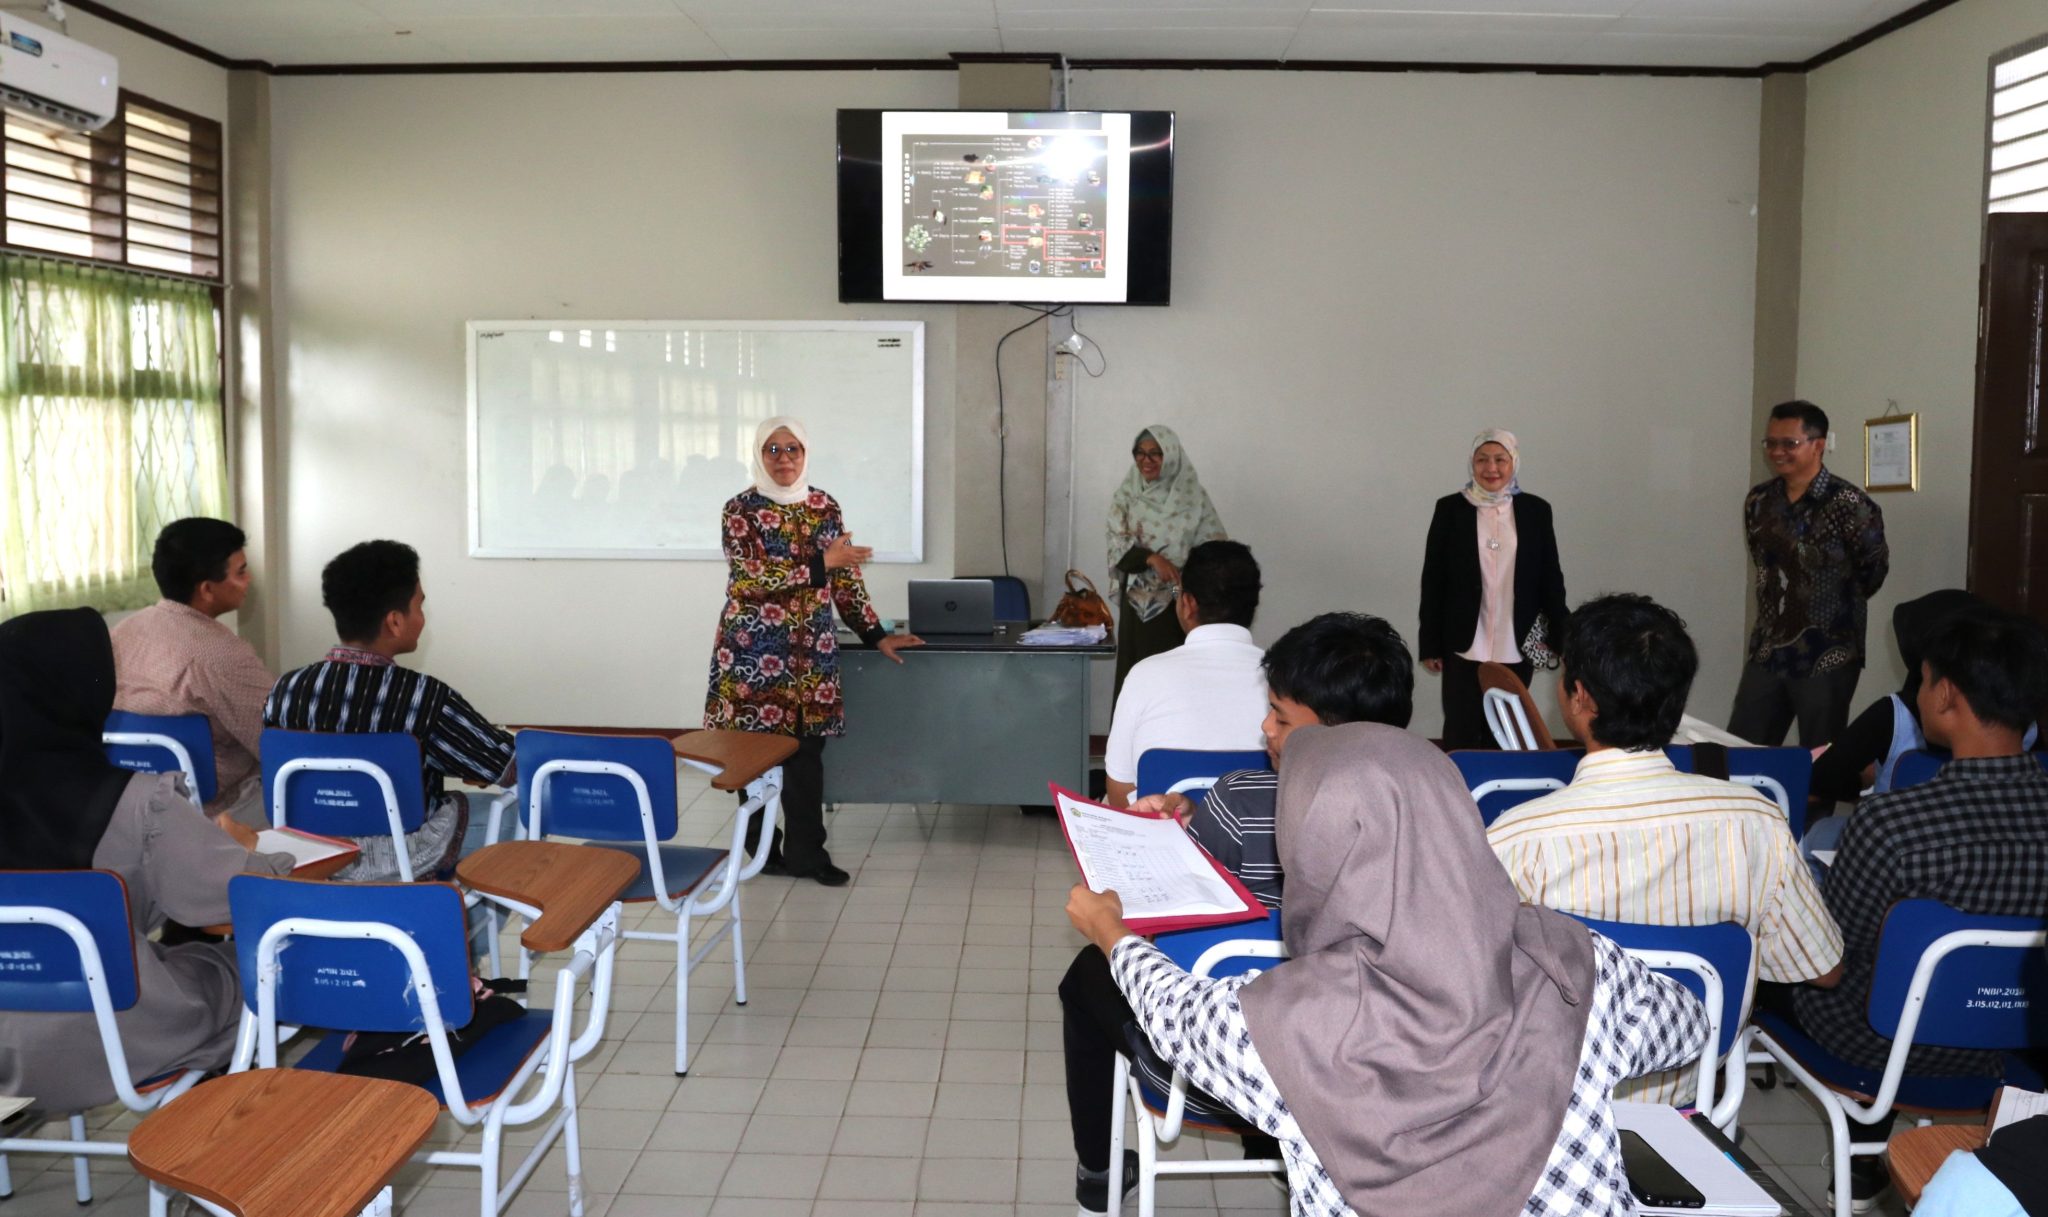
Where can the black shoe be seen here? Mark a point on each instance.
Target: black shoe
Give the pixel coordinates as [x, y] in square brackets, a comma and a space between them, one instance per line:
[775, 866]
[826, 874]
[1093, 1194]
[1868, 1181]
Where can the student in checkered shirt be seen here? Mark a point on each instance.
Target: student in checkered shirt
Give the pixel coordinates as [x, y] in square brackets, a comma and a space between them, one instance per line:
[1973, 838]
[1431, 1045]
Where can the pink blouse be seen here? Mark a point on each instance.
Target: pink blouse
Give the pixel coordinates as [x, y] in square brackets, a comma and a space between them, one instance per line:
[1495, 640]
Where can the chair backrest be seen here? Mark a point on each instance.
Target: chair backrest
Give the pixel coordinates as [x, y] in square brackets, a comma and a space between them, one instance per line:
[1187, 947]
[596, 806]
[42, 968]
[1013, 597]
[1785, 774]
[355, 982]
[1501, 780]
[1511, 711]
[164, 743]
[1161, 770]
[1921, 764]
[1983, 993]
[1681, 757]
[1725, 945]
[331, 784]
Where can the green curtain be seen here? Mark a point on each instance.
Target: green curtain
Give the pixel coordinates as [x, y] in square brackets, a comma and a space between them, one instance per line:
[110, 428]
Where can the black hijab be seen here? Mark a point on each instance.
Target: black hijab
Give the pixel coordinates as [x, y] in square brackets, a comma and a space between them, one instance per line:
[1913, 621]
[57, 788]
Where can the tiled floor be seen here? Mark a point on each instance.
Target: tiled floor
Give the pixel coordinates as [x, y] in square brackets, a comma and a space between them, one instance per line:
[899, 1057]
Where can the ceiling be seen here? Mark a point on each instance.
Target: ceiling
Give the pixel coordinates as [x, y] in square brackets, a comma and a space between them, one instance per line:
[1661, 33]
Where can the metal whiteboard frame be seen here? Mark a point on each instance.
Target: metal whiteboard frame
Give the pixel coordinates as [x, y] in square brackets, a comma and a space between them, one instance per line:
[474, 329]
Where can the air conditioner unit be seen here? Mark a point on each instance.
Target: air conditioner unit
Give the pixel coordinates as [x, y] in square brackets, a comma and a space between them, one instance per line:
[56, 78]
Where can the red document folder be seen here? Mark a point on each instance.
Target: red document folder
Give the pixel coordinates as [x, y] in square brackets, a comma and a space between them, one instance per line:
[1252, 910]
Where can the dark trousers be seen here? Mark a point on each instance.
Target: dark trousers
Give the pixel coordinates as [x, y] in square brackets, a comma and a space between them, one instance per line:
[1137, 640]
[800, 841]
[1464, 720]
[1093, 1013]
[1766, 705]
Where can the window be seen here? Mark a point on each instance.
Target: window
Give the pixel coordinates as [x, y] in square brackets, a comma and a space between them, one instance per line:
[143, 191]
[110, 428]
[2019, 131]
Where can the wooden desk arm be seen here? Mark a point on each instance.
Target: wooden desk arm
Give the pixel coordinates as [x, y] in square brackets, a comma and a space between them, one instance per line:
[571, 885]
[739, 757]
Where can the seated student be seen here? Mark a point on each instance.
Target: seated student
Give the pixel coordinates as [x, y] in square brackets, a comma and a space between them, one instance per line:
[1971, 838]
[1633, 839]
[2006, 1178]
[1432, 1045]
[1207, 692]
[373, 590]
[63, 806]
[175, 657]
[1336, 668]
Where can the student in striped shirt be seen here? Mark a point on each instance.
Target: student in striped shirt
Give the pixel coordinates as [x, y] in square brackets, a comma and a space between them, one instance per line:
[373, 590]
[1633, 839]
[1336, 668]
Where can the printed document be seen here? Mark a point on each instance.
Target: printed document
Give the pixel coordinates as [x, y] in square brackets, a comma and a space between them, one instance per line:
[1154, 867]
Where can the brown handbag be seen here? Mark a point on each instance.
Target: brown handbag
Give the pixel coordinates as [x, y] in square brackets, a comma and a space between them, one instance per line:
[1082, 605]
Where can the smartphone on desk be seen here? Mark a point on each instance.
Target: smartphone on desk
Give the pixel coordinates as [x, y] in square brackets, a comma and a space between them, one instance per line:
[1655, 1182]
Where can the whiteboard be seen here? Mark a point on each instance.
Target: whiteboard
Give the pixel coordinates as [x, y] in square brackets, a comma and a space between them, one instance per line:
[623, 439]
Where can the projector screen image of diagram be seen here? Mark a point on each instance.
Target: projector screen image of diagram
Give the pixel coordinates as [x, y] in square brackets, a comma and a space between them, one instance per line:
[1017, 200]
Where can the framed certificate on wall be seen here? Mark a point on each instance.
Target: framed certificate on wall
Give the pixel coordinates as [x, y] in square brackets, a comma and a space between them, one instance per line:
[1891, 453]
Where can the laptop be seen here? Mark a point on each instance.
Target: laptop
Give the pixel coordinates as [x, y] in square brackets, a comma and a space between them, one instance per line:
[955, 607]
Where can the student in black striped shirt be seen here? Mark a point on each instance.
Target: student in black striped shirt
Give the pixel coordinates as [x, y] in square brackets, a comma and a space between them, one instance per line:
[373, 590]
[1336, 668]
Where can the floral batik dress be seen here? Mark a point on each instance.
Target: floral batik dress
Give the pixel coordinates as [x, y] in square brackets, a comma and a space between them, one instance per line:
[775, 667]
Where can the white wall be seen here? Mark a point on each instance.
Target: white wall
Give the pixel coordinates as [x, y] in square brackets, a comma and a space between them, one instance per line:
[152, 69]
[1895, 147]
[405, 205]
[1371, 267]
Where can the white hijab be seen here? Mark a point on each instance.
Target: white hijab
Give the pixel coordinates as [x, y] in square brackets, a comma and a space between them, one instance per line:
[1480, 496]
[797, 491]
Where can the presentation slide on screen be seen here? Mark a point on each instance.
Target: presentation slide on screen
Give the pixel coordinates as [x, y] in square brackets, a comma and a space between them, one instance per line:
[995, 206]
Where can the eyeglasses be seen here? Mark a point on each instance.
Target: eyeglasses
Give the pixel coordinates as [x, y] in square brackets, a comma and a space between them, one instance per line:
[1786, 445]
[1148, 454]
[783, 450]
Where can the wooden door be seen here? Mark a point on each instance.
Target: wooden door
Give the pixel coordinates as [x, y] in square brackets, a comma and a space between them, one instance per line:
[2009, 476]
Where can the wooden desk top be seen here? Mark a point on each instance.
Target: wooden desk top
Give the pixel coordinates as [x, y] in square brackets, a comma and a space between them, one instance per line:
[741, 755]
[285, 1141]
[572, 885]
[1917, 1153]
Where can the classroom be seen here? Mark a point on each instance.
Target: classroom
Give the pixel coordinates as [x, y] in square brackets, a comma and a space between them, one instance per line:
[1623, 230]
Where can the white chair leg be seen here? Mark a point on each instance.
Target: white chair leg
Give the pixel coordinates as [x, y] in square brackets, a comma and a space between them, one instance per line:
[1117, 1092]
[159, 1200]
[572, 1141]
[492, 1152]
[1838, 1139]
[682, 994]
[1148, 1175]
[739, 953]
[80, 1170]
[6, 1179]
[381, 1206]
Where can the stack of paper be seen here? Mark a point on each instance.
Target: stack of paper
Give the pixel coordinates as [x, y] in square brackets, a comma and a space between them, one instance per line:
[1165, 880]
[2014, 1105]
[1054, 635]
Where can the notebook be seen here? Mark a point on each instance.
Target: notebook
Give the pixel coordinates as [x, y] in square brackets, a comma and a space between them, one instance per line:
[1165, 880]
[307, 849]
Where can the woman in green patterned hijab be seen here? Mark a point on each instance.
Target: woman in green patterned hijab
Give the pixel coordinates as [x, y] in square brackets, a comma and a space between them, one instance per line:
[1160, 512]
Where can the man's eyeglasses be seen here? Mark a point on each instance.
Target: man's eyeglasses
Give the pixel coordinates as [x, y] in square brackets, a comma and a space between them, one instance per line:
[1148, 454]
[1786, 445]
[783, 450]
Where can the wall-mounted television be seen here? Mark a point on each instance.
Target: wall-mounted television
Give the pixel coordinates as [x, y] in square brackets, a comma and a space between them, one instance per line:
[1045, 207]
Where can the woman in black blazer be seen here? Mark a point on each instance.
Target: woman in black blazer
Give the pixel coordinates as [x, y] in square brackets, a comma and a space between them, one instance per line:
[1490, 573]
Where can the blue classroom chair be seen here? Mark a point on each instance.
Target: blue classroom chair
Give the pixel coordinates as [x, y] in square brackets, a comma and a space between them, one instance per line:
[341, 784]
[1012, 597]
[1501, 780]
[1229, 950]
[164, 743]
[394, 957]
[619, 792]
[1717, 964]
[66, 947]
[1786, 774]
[1186, 770]
[1921, 764]
[1935, 966]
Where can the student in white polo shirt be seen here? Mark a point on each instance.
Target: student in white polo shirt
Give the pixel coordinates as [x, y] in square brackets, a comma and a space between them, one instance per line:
[1207, 693]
